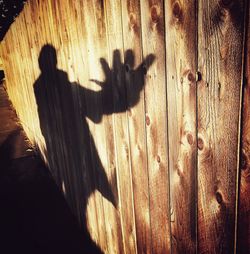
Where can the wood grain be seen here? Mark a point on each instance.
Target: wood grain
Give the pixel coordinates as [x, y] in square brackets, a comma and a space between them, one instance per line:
[95, 44]
[136, 121]
[141, 130]
[181, 86]
[134, 218]
[153, 42]
[243, 233]
[116, 144]
[220, 40]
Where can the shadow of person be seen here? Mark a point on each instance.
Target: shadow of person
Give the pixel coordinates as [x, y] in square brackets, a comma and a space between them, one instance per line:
[63, 107]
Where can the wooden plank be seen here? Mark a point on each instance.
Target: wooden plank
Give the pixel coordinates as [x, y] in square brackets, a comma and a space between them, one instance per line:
[121, 156]
[243, 233]
[220, 41]
[136, 124]
[153, 42]
[77, 63]
[181, 86]
[136, 232]
[118, 76]
[96, 44]
[113, 124]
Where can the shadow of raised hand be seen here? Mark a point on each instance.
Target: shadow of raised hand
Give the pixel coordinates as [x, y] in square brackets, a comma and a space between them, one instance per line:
[123, 81]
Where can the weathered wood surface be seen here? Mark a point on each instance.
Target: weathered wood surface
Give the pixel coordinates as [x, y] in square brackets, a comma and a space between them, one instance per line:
[140, 121]
[181, 86]
[153, 41]
[220, 45]
[137, 201]
[243, 236]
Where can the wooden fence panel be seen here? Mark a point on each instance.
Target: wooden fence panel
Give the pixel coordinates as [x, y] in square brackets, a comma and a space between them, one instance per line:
[153, 42]
[140, 122]
[96, 45]
[181, 87]
[82, 76]
[133, 218]
[118, 142]
[136, 121]
[220, 40]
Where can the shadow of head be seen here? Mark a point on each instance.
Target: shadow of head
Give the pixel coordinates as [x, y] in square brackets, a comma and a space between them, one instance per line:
[47, 59]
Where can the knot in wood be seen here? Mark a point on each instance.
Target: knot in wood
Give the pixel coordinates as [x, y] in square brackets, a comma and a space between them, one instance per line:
[200, 144]
[132, 19]
[155, 13]
[191, 77]
[177, 11]
[190, 139]
[198, 76]
[158, 158]
[219, 197]
[147, 120]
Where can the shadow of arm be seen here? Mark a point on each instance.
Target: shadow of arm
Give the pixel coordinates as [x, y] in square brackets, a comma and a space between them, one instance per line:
[121, 88]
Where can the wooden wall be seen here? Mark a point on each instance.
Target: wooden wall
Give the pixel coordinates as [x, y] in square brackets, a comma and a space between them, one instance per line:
[141, 122]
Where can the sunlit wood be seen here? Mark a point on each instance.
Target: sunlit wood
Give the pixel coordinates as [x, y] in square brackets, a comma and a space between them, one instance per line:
[140, 120]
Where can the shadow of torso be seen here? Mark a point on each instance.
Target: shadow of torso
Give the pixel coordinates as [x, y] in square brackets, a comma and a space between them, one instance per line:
[71, 152]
